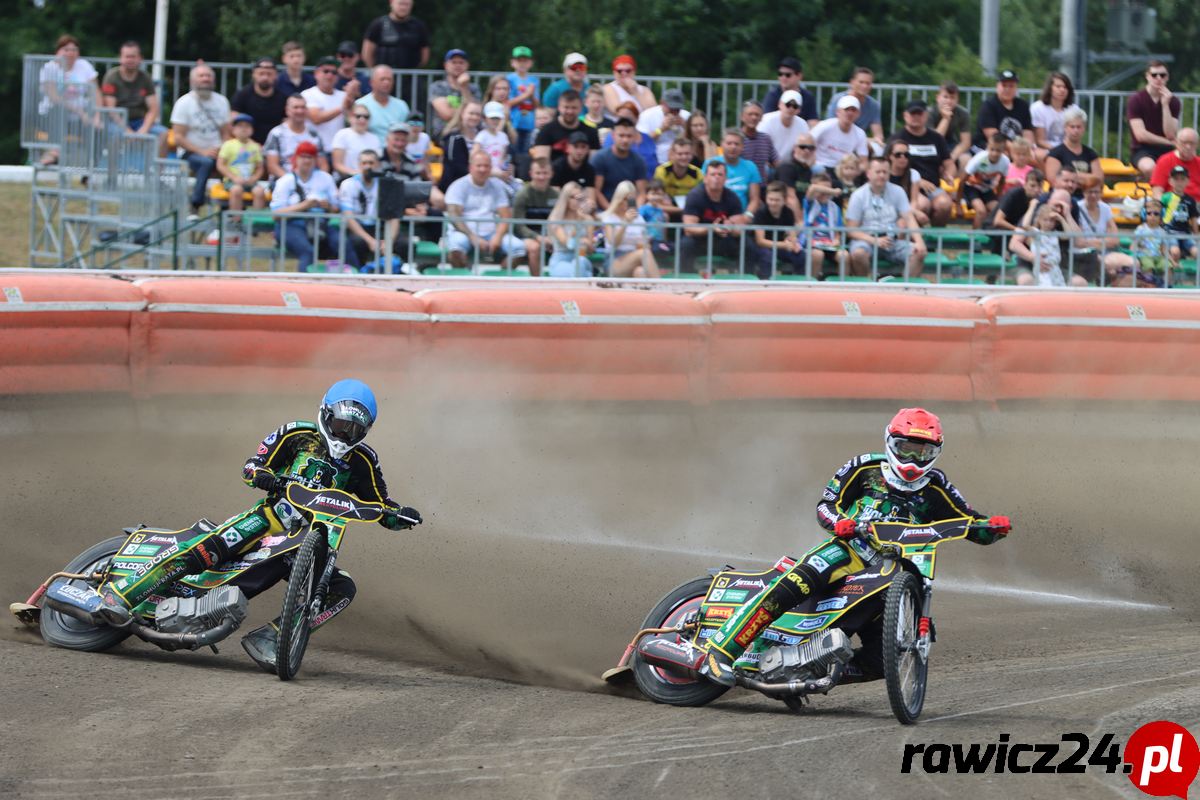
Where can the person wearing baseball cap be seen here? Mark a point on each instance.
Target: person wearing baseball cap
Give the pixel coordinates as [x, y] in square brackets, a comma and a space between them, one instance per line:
[348, 73]
[575, 69]
[624, 88]
[784, 124]
[452, 92]
[303, 190]
[791, 77]
[261, 99]
[838, 137]
[929, 155]
[397, 39]
[1004, 113]
[240, 163]
[664, 123]
[1181, 214]
[524, 90]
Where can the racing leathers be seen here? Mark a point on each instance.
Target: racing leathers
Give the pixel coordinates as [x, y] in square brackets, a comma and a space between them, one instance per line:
[859, 491]
[295, 452]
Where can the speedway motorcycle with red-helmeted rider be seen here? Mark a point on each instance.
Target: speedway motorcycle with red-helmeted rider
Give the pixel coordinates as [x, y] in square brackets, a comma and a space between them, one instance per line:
[787, 631]
[189, 588]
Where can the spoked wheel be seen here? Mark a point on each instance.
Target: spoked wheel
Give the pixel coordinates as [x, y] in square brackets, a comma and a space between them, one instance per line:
[294, 621]
[61, 630]
[903, 668]
[658, 684]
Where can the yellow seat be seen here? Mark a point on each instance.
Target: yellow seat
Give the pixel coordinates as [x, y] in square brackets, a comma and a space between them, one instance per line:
[219, 194]
[434, 156]
[1116, 168]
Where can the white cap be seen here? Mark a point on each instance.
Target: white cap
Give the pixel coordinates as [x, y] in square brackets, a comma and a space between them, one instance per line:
[848, 101]
[494, 110]
[791, 96]
[574, 58]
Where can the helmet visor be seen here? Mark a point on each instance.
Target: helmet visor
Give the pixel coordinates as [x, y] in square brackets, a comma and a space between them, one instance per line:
[347, 422]
[914, 451]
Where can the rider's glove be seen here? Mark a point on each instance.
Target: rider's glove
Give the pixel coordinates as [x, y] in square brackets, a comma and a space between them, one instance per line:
[844, 528]
[401, 519]
[268, 481]
[1000, 525]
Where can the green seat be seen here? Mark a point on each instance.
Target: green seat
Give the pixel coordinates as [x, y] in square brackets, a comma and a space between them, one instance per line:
[733, 276]
[934, 260]
[1188, 266]
[449, 271]
[427, 252]
[897, 279]
[956, 239]
[683, 276]
[964, 282]
[981, 261]
[503, 273]
[849, 279]
[793, 278]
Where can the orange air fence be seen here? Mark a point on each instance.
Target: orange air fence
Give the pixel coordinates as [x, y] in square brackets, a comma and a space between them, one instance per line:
[188, 335]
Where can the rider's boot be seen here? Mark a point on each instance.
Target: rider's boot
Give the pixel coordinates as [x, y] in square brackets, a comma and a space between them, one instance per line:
[119, 597]
[739, 631]
[260, 643]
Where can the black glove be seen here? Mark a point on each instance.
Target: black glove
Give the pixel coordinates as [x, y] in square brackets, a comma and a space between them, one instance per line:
[269, 482]
[401, 519]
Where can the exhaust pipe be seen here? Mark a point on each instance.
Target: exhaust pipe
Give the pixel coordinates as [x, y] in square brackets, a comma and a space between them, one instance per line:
[190, 641]
[71, 611]
[796, 685]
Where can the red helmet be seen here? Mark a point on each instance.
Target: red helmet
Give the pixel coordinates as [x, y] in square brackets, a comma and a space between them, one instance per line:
[914, 441]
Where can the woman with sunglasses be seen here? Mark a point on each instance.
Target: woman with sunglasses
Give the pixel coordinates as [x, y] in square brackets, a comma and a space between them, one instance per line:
[903, 175]
[624, 87]
[572, 230]
[349, 142]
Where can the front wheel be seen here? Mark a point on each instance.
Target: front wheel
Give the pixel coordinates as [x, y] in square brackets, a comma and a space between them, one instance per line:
[658, 684]
[61, 630]
[903, 667]
[294, 620]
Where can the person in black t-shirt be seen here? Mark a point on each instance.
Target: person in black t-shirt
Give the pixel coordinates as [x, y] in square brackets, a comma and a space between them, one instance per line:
[575, 167]
[1073, 152]
[1012, 207]
[712, 212]
[778, 251]
[552, 138]
[1003, 113]
[397, 39]
[261, 99]
[929, 155]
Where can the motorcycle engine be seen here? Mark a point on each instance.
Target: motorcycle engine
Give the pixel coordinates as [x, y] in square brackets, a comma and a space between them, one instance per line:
[199, 614]
[808, 660]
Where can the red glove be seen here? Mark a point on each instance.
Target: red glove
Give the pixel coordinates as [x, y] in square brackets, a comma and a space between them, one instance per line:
[1000, 525]
[844, 528]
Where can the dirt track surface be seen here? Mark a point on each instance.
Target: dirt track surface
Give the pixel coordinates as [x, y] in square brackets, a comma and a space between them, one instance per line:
[467, 666]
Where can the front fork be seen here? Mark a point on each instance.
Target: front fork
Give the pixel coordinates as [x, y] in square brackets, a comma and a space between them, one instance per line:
[925, 632]
[322, 590]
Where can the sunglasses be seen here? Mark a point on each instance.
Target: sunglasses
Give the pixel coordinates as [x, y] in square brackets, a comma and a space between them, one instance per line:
[326, 71]
[785, 74]
[806, 147]
[1153, 213]
[362, 116]
[900, 154]
[1158, 74]
[794, 106]
[578, 67]
[624, 71]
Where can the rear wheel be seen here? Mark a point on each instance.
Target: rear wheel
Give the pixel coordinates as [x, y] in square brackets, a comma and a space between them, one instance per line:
[61, 630]
[294, 620]
[903, 668]
[658, 684]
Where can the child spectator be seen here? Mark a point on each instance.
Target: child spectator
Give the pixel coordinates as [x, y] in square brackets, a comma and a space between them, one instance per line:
[848, 176]
[1180, 213]
[1022, 163]
[985, 173]
[293, 79]
[778, 251]
[655, 211]
[524, 90]
[496, 139]
[418, 140]
[595, 117]
[1151, 244]
[1042, 247]
[822, 218]
[240, 163]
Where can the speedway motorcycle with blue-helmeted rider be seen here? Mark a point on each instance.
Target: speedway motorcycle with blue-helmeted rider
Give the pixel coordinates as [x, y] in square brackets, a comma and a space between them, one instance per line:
[190, 588]
[786, 631]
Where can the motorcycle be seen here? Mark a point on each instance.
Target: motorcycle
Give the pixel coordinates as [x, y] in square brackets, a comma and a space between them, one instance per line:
[807, 650]
[203, 609]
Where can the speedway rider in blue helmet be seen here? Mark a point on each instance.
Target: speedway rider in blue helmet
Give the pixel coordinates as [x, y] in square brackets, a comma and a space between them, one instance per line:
[328, 454]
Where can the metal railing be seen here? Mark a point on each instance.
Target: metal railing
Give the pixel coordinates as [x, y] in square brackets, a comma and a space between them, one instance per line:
[720, 98]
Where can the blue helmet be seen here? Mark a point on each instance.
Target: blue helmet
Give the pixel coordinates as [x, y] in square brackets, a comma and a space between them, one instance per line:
[347, 413]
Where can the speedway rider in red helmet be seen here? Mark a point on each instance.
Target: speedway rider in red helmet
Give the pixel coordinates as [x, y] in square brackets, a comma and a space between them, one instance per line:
[897, 485]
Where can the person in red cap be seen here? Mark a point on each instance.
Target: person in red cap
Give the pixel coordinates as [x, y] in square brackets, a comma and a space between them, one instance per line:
[899, 485]
[624, 87]
[307, 190]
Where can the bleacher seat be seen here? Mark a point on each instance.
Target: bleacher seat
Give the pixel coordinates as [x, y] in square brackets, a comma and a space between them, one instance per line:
[1116, 168]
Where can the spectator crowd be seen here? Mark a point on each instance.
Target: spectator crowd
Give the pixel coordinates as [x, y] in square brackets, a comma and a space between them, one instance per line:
[591, 166]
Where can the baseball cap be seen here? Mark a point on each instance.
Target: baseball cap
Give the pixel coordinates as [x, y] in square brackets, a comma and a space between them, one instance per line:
[347, 48]
[521, 51]
[1006, 75]
[493, 110]
[916, 105]
[787, 62]
[577, 137]
[247, 118]
[573, 59]
[456, 53]
[416, 119]
[791, 96]
[626, 60]
[848, 101]
[328, 61]
[1179, 169]
[673, 98]
[265, 61]
[306, 149]
[399, 127]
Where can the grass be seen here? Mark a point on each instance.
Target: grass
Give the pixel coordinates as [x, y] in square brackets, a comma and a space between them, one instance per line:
[14, 225]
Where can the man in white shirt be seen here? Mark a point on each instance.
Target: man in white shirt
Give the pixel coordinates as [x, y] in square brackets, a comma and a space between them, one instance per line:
[200, 123]
[285, 137]
[665, 122]
[476, 208]
[882, 211]
[785, 125]
[839, 136]
[306, 189]
[327, 106]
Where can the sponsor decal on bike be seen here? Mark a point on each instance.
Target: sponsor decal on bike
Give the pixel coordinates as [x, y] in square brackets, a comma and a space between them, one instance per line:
[720, 612]
[833, 604]
[775, 636]
[818, 563]
[271, 438]
[707, 632]
[1161, 758]
[811, 623]
[760, 620]
[291, 426]
[833, 554]
[829, 494]
[863, 550]
[914, 532]
[851, 588]
[257, 555]
[271, 541]
[756, 583]
[328, 613]
[207, 557]
[800, 584]
[231, 537]
[728, 595]
[128, 566]
[262, 450]
[331, 502]
[139, 550]
[137, 538]
[722, 583]
[162, 539]
[252, 525]
[784, 564]
[75, 592]
[861, 576]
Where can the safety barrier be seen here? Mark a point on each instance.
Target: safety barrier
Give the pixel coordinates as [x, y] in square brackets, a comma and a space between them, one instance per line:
[230, 335]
